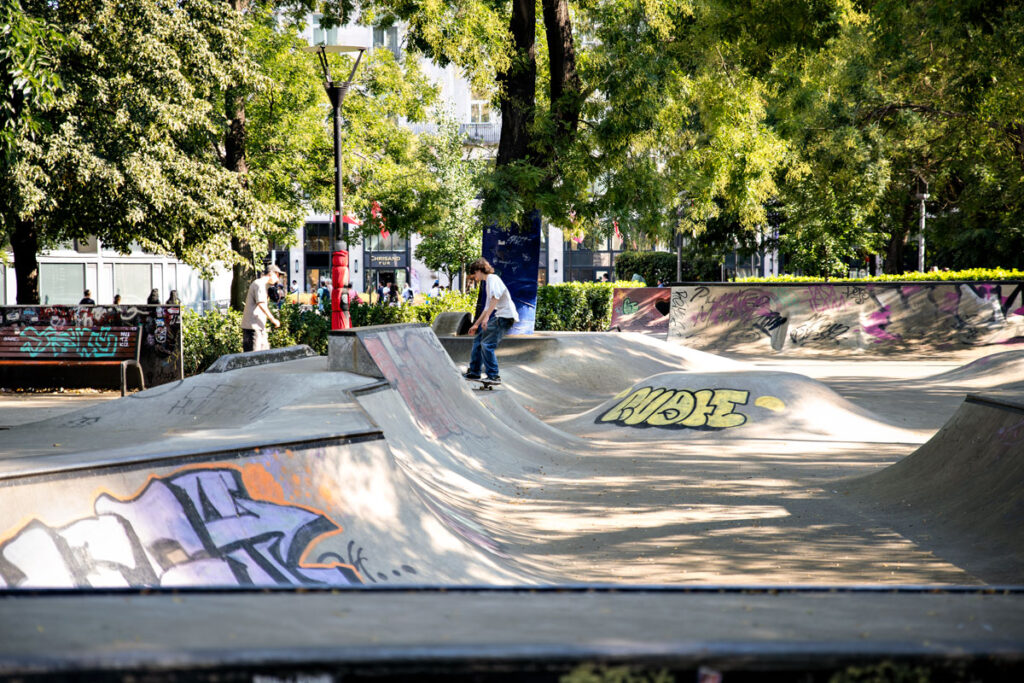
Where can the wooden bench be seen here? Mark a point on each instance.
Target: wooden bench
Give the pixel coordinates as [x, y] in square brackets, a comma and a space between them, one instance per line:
[72, 346]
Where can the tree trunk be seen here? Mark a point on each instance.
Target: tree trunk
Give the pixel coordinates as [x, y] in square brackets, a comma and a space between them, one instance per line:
[566, 91]
[518, 86]
[235, 161]
[898, 242]
[25, 243]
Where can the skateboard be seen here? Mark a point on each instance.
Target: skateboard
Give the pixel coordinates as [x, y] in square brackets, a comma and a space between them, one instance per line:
[485, 384]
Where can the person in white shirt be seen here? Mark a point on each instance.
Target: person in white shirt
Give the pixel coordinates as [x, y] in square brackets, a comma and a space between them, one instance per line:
[256, 313]
[489, 331]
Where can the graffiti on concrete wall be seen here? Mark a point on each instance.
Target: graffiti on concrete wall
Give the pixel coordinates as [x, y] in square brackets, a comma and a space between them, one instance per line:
[641, 309]
[830, 316]
[710, 409]
[413, 360]
[198, 526]
[84, 342]
[46, 326]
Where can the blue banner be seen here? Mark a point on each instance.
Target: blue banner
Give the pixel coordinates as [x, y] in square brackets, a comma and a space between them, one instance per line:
[515, 253]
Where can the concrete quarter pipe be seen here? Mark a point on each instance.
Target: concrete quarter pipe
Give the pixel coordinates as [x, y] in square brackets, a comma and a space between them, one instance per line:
[388, 469]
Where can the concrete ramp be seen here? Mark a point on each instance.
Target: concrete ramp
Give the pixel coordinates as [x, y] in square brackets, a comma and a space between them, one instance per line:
[875, 318]
[967, 482]
[740, 404]
[262, 476]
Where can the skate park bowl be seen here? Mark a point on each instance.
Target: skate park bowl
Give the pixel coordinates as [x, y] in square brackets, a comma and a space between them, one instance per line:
[620, 498]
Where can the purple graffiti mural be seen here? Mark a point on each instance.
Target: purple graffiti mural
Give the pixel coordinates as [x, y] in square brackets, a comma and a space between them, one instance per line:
[195, 527]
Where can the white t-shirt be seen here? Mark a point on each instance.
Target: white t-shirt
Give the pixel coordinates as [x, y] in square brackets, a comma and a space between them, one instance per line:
[253, 317]
[496, 289]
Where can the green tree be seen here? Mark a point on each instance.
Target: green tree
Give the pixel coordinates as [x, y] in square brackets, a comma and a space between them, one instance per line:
[129, 150]
[454, 239]
[28, 84]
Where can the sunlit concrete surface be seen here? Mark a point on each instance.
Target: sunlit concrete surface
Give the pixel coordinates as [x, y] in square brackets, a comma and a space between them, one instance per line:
[566, 474]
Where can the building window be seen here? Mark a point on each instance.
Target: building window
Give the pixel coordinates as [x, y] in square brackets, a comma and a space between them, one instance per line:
[479, 107]
[133, 281]
[592, 259]
[61, 283]
[387, 38]
[318, 236]
[375, 242]
[323, 36]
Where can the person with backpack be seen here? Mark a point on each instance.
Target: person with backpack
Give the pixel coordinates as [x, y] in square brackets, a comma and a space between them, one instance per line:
[323, 295]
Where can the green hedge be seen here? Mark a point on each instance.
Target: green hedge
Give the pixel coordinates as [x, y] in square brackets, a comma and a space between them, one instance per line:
[974, 274]
[576, 306]
[364, 315]
[660, 266]
[209, 336]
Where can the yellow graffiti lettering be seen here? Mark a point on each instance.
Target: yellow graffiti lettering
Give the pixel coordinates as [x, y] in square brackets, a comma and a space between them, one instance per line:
[724, 400]
[654, 401]
[776, 405]
[703, 407]
[629, 404]
[679, 408]
[674, 410]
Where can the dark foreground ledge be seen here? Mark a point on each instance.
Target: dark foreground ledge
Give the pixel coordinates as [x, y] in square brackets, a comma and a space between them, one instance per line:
[509, 634]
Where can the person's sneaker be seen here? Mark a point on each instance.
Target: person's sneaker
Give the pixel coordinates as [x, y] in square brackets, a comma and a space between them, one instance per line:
[471, 375]
[494, 380]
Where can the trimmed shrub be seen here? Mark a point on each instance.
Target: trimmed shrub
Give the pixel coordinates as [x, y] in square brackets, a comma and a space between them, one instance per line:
[972, 274]
[576, 306]
[207, 337]
[364, 315]
[660, 266]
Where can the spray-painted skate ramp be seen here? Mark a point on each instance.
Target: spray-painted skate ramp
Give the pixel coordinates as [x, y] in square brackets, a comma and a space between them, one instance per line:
[409, 476]
[740, 404]
[270, 475]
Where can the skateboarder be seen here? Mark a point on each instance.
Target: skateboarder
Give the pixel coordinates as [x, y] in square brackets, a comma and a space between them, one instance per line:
[489, 331]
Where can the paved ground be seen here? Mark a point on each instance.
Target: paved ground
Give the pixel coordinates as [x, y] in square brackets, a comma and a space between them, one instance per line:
[530, 484]
[765, 533]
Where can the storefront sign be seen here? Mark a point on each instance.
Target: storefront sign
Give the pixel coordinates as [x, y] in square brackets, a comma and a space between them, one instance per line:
[387, 259]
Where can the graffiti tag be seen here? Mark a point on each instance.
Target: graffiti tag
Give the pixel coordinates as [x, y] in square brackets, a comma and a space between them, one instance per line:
[818, 331]
[85, 342]
[629, 307]
[679, 408]
[195, 527]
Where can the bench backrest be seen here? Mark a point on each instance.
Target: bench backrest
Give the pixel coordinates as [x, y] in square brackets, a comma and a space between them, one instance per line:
[69, 343]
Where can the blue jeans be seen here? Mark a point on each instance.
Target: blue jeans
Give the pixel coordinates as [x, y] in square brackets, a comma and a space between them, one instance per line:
[484, 344]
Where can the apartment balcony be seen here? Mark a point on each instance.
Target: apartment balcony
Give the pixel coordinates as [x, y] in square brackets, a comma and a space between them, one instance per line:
[487, 134]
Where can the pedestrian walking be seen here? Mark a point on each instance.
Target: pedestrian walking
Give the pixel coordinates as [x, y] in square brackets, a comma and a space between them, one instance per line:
[257, 313]
[87, 299]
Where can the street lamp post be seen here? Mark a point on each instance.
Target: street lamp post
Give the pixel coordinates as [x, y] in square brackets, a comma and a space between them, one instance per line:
[336, 92]
[921, 195]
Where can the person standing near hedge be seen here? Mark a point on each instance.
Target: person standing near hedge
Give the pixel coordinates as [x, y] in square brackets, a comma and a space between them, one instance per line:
[489, 331]
[257, 312]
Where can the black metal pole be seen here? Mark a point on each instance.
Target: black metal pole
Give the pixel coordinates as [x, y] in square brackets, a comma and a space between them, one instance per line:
[336, 97]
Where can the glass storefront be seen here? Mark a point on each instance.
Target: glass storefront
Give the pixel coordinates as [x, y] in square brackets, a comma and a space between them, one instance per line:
[591, 260]
[386, 261]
